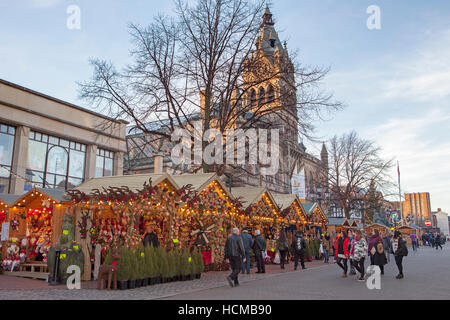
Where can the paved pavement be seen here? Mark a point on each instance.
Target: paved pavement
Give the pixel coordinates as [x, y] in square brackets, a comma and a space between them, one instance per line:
[426, 277]
[13, 288]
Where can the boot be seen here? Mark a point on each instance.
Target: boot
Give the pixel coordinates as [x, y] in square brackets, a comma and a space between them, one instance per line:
[230, 281]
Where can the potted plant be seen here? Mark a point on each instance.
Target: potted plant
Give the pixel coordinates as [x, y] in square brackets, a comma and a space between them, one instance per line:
[123, 270]
[133, 274]
[158, 268]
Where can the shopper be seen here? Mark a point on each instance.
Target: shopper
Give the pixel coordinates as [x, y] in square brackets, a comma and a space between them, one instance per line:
[376, 251]
[342, 254]
[413, 241]
[400, 250]
[283, 247]
[151, 237]
[247, 240]
[351, 243]
[326, 245]
[299, 246]
[234, 255]
[259, 247]
[387, 243]
[359, 253]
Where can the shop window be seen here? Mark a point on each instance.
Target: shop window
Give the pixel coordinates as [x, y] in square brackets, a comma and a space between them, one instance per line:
[54, 162]
[6, 153]
[104, 163]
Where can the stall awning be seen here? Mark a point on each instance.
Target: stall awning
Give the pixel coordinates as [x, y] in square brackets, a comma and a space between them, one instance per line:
[7, 199]
[200, 181]
[133, 182]
[53, 195]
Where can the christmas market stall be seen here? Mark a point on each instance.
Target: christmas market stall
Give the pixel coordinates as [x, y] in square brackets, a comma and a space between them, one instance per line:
[316, 219]
[115, 211]
[406, 232]
[209, 215]
[35, 220]
[6, 203]
[293, 213]
[336, 225]
[382, 229]
[260, 212]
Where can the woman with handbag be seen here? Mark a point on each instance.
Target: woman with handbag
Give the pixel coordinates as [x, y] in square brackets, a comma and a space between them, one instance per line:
[283, 247]
[376, 251]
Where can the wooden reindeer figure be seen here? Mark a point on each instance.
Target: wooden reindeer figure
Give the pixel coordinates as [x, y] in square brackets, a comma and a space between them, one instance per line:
[109, 271]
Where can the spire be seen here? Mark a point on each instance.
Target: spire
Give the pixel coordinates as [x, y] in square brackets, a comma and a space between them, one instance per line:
[324, 154]
[267, 18]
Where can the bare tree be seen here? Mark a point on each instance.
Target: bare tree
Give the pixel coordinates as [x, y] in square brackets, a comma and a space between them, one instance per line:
[192, 66]
[357, 172]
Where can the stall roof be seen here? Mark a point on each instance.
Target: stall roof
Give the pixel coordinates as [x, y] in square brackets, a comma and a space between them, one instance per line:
[412, 225]
[200, 181]
[309, 207]
[251, 195]
[9, 199]
[336, 221]
[134, 182]
[284, 200]
[54, 194]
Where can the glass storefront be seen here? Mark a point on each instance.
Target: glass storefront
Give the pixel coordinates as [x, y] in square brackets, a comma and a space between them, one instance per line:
[54, 162]
[104, 163]
[7, 134]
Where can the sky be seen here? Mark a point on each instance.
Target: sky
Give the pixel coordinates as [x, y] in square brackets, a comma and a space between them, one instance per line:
[395, 81]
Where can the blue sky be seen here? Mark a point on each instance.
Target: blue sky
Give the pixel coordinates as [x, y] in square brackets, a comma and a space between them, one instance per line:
[395, 81]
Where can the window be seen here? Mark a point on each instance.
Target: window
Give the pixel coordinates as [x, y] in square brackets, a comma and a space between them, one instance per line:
[270, 94]
[104, 163]
[253, 98]
[54, 162]
[6, 153]
[262, 97]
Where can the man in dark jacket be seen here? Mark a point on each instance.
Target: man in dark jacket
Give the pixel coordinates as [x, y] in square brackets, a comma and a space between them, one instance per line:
[247, 240]
[259, 247]
[299, 245]
[151, 237]
[234, 255]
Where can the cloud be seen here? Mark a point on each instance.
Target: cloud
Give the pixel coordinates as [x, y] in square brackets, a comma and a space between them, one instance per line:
[401, 102]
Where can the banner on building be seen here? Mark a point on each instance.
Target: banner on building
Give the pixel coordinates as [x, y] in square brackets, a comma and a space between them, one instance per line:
[298, 183]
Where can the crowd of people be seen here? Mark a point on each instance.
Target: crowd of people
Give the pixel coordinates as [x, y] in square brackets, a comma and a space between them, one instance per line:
[238, 249]
[350, 250]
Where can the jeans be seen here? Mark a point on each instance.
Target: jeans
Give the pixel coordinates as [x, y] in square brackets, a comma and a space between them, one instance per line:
[301, 255]
[399, 261]
[283, 254]
[246, 265]
[235, 264]
[359, 266]
[414, 245]
[343, 264]
[326, 255]
[260, 261]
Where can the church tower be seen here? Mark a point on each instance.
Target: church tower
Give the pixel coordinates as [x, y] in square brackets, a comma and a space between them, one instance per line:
[270, 80]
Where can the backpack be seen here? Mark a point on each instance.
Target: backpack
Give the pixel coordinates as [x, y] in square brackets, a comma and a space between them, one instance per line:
[298, 243]
[380, 248]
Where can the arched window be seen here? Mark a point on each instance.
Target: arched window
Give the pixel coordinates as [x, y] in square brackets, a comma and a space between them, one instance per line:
[270, 94]
[261, 97]
[253, 98]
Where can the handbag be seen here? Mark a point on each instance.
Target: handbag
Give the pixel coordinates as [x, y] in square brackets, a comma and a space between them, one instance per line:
[342, 256]
[321, 249]
[276, 260]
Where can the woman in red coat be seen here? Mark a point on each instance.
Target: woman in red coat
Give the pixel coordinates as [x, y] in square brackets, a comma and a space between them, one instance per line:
[341, 250]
